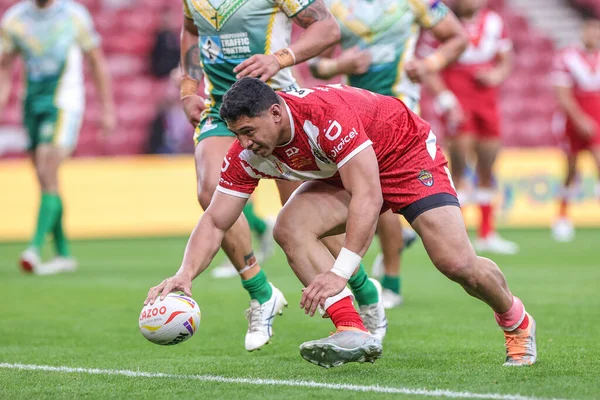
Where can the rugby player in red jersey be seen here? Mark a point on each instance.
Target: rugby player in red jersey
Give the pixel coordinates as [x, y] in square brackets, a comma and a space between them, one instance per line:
[576, 79]
[359, 154]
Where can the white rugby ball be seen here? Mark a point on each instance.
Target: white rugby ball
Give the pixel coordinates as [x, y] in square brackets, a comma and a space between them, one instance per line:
[170, 321]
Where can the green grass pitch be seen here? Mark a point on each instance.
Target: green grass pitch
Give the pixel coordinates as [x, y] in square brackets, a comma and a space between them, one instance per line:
[439, 339]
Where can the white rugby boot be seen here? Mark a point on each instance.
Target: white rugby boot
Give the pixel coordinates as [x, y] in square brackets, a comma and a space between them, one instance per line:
[521, 348]
[342, 347]
[563, 230]
[493, 243]
[57, 265]
[30, 260]
[391, 299]
[260, 319]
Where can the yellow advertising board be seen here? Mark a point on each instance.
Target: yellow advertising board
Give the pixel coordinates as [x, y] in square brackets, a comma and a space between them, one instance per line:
[156, 195]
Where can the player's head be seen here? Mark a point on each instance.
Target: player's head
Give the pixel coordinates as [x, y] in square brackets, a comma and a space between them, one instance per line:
[43, 3]
[590, 34]
[466, 8]
[254, 112]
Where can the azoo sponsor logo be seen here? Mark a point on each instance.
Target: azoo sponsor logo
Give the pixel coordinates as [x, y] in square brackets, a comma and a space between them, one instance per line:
[342, 142]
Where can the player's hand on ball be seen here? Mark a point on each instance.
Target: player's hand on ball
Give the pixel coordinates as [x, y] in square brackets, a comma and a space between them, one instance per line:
[258, 66]
[193, 107]
[175, 283]
[323, 286]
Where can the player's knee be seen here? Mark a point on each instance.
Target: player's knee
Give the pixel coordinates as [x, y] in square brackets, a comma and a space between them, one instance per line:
[282, 232]
[48, 180]
[286, 231]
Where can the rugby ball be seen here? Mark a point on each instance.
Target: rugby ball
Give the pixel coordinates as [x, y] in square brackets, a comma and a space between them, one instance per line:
[170, 321]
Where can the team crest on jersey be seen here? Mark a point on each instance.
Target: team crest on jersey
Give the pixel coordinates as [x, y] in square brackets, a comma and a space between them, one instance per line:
[217, 12]
[209, 125]
[426, 178]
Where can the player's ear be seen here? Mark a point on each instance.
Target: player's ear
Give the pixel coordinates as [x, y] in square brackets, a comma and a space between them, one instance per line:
[275, 110]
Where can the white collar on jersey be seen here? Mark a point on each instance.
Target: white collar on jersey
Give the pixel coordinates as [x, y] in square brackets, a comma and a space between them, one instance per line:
[291, 124]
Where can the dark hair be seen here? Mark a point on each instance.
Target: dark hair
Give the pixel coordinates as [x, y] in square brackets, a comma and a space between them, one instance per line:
[248, 96]
[588, 14]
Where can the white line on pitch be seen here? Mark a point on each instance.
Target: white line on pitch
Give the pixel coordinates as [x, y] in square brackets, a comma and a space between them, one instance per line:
[270, 382]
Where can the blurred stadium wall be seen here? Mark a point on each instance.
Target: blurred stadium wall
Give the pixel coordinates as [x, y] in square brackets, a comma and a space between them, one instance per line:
[133, 195]
[155, 196]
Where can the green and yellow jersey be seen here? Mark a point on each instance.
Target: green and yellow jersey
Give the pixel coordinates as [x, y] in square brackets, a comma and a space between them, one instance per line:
[389, 30]
[51, 42]
[231, 31]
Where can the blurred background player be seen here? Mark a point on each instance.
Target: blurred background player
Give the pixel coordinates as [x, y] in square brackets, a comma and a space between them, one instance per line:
[50, 36]
[378, 42]
[468, 96]
[576, 80]
[224, 44]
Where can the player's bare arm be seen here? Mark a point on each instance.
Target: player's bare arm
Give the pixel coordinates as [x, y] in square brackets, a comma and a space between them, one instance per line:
[500, 72]
[103, 84]
[360, 177]
[454, 40]
[191, 72]
[585, 125]
[6, 63]
[352, 61]
[203, 244]
[321, 32]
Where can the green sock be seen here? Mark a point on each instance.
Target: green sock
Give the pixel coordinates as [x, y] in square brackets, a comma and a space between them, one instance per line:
[258, 287]
[364, 289]
[257, 224]
[393, 283]
[60, 239]
[47, 216]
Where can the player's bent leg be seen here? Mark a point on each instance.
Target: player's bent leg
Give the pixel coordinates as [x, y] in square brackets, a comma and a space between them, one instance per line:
[298, 230]
[447, 244]
[266, 300]
[488, 239]
[366, 291]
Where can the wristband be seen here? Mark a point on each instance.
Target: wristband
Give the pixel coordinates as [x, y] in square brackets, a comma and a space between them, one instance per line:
[445, 101]
[435, 62]
[285, 57]
[346, 263]
[189, 87]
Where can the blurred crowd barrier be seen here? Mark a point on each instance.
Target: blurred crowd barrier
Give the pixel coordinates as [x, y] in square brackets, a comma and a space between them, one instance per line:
[156, 195]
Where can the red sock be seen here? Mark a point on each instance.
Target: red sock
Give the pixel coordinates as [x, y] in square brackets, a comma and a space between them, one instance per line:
[562, 211]
[525, 323]
[487, 225]
[511, 320]
[343, 313]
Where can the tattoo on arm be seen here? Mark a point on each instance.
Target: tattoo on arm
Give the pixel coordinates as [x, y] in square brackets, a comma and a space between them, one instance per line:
[313, 13]
[192, 63]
